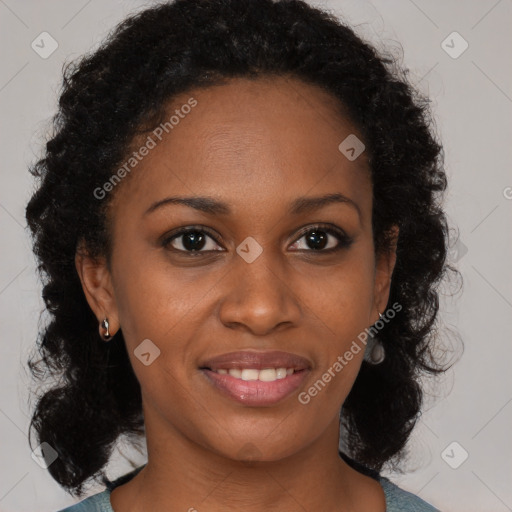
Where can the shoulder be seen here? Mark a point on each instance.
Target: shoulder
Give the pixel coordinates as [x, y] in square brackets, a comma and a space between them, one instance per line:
[101, 502]
[97, 503]
[398, 500]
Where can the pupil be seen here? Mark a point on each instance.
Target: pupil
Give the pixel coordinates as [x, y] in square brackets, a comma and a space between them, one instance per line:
[191, 239]
[319, 241]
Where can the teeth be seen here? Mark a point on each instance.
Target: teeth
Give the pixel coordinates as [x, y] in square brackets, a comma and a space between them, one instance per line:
[265, 375]
[281, 373]
[268, 375]
[250, 374]
[235, 372]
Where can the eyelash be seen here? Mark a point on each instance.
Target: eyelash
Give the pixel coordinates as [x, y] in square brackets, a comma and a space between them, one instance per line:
[344, 240]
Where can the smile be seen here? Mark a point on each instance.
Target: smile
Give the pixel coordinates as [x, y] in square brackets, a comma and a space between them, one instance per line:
[256, 388]
[265, 375]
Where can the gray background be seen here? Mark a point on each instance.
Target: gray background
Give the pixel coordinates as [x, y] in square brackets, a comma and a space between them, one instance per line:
[472, 101]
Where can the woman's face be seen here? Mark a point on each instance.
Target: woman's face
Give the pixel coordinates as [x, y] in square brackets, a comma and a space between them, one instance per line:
[266, 149]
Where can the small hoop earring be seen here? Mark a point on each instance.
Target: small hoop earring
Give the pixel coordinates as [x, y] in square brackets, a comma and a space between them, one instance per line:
[375, 352]
[105, 336]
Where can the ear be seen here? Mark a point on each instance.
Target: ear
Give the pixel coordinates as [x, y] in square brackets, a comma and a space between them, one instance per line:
[384, 266]
[96, 282]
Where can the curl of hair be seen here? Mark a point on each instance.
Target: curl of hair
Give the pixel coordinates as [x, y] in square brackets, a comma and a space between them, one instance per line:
[120, 90]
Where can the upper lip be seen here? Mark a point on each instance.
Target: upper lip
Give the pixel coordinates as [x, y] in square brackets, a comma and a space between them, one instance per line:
[256, 360]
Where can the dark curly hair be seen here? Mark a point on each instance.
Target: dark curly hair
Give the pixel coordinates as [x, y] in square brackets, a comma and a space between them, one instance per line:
[120, 91]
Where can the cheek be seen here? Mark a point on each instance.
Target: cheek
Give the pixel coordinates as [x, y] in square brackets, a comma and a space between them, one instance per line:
[340, 304]
[151, 295]
[165, 305]
[342, 295]
[340, 308]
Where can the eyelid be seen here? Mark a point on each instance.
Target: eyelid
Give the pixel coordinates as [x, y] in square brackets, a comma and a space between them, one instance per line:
[321, 225]
[176, 233]
[344, 240]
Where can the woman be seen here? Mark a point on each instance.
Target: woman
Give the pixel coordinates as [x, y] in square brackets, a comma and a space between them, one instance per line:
[239, 230]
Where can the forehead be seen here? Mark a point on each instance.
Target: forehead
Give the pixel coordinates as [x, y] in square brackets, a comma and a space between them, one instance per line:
[251, 139]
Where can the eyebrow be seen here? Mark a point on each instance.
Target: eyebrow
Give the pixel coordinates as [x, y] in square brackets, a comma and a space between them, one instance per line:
[213, 206]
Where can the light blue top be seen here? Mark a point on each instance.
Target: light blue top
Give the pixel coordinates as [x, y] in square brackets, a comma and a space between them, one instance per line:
[397, 500]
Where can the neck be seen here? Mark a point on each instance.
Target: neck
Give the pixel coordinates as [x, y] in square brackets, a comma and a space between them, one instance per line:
[183, 475]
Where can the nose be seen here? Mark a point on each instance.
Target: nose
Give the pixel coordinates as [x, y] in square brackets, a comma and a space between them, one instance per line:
[258, 298]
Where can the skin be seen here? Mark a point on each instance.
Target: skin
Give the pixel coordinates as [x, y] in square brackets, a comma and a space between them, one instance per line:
[257, 145]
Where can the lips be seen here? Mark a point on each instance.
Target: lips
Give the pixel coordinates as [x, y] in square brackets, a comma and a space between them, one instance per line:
[255, 378]
[255, 393]
[256, 360]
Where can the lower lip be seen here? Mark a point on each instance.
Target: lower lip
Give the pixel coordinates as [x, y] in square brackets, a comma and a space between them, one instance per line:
[255, 392]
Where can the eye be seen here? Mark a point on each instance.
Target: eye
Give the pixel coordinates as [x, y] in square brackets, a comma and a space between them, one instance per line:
[194, 240]
[317, 239]
[191, 240]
